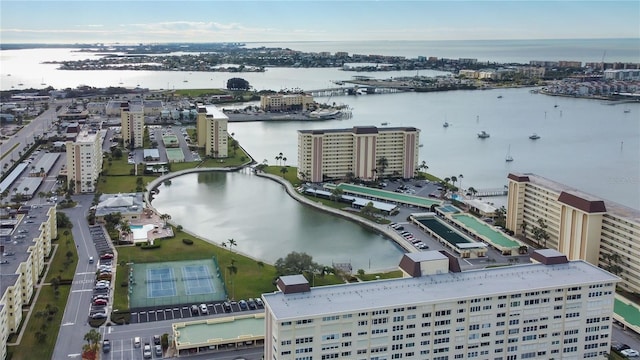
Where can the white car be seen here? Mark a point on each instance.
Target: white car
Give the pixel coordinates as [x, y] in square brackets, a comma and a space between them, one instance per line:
[630, 353]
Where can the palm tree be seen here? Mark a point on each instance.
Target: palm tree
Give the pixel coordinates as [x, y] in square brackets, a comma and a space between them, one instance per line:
[165, 217]
[224, 244]
[472, 191]
[382, 164]
[232, 243]
[523, 227]
[453, 180]
[125, 229]
[336, 194]
[92, 338]
[284, 161]
[284, 170]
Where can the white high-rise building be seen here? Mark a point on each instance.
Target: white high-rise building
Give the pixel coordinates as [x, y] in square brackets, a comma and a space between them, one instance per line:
[552, 309]
[132, 121]
[84, 161]
[211, 128]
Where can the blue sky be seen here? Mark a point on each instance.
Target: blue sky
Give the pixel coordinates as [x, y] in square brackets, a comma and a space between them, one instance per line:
[320, 20]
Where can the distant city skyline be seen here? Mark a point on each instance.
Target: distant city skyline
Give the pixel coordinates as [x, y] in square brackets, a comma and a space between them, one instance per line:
[146, 21]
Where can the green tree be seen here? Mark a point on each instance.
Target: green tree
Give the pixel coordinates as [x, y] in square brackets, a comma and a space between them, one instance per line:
[336, 194]
[238, 84]
[382, 165]
[231, 243]
[284, 170]
[63, 221]
[165, 218]
[295, 263]
[92, 338]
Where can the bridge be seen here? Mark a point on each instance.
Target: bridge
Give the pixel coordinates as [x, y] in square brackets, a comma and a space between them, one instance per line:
[353, 90]
[492, 192]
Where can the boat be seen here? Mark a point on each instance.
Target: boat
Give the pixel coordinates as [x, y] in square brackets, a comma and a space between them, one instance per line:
[483, 135]
[534, 136]
[384, 123]
[421, 145]
[325, 114]
[508, 158]
[446, 124]
[499, 96]
[626, 111]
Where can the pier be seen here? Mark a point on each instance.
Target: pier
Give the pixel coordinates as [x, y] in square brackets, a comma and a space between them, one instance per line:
[354, 90]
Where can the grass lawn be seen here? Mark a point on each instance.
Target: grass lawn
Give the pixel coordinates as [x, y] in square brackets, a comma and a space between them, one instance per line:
[58, 263]
[291, 175]
[251, 280]
[120, 184]
[200, 92]
[376, 276]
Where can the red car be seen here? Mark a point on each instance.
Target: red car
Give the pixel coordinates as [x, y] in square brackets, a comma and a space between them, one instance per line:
[106, 256]
[99, 302]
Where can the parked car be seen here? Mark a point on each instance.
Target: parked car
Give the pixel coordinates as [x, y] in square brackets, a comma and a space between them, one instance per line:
[204, 309]
[630, 353]
[252, 304]
[100, 302]
[137, 341]
[146, 351]
[106, 256]
[99, 315]
[226, 306]
[259, 302]
[158, 349]
[106, 346]
[618, 346]
[243, 305]
[156, 339]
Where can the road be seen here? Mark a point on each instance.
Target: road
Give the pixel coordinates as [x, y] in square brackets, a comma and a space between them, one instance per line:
[36, 128]
[74, 321]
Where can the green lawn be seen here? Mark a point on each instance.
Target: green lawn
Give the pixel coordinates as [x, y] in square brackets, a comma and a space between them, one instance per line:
[251, 280]
[291, 175]
[376, 276]
[61, 265]
[200, 92]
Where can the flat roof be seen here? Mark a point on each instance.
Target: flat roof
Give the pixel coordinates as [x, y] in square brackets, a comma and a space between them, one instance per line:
[31, 183]
[219, 330]
[6, 183]
[154, 153]
[46, 162]
[360, 130]
[174, 154]
[386, 195]
[15, 250]
[216, 113]
[487, 231]
[438, 288]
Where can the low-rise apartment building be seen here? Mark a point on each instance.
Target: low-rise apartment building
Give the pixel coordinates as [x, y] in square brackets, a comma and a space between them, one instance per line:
[579, 225]
[84, 161]
[23, 260]
[366, 152]
[552, 309]
[211, 128]
[286, 102]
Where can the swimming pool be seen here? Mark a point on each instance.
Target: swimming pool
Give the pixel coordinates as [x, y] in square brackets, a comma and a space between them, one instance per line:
[139, 232]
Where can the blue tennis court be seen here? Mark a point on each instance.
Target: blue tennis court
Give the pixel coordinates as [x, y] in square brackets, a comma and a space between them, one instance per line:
[161, 283]
[175, 282]
[197, 280]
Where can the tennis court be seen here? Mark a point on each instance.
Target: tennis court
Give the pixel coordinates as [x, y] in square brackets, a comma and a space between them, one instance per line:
[175, 282]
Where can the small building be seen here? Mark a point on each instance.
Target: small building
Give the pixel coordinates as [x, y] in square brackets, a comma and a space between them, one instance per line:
[210, 336]
[151, 155]
[130, 206]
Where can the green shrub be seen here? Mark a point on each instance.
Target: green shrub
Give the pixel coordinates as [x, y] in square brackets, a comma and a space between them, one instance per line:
[187, 241]
[149, 247]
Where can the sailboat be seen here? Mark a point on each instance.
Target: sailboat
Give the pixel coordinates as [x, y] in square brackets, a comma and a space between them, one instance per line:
[508, 158]
[43, 83]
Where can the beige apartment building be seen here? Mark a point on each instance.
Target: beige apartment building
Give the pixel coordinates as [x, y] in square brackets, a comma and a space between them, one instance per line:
[550, 309]
[19, 276]
[84, 161]
[279, 102]
[132, 122]
[580, 225]
[211, 128]
[334, 153]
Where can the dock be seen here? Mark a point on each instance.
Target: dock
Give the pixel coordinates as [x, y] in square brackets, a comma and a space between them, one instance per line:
[491, 192]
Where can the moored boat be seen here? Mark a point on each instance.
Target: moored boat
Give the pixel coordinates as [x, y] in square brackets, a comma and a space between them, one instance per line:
[483, 134]
[534, 136]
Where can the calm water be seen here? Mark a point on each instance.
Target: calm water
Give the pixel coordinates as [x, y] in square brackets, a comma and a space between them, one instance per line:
[505, 51]
[266, 223]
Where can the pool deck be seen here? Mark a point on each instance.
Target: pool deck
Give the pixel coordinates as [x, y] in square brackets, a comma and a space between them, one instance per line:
[486, 231]
[158, 232]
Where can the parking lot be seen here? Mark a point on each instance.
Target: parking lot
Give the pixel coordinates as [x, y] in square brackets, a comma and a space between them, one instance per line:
[185, 311]
[129, 349]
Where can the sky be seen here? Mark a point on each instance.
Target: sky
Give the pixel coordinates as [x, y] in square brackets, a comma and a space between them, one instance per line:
[149, 21]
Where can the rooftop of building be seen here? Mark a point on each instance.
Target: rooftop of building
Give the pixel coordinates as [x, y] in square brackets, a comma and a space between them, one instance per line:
[359, 130]
[611, 206]
[348, 298]
[131, 203]
[45, 162]
[86, 136]
[213, 111]
[220, 330]
[16, 244]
